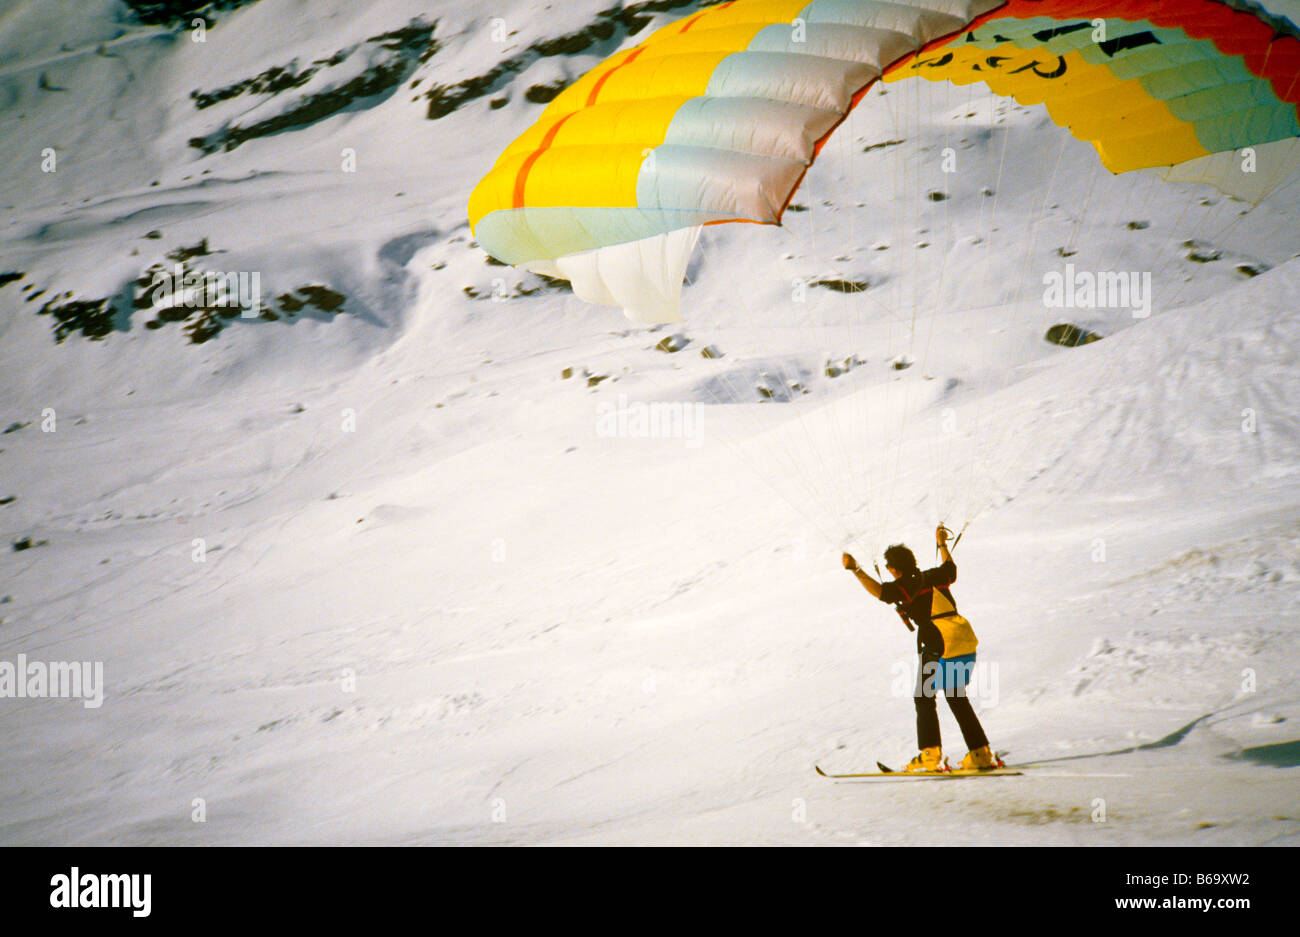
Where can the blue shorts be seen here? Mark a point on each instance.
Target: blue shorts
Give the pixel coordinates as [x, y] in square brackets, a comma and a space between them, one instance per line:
[950, 674]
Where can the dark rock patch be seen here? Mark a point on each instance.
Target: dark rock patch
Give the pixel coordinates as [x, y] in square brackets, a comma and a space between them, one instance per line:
[611, 27]
[544, 94]
[179, 13]
[405, 49]
[841, 286]
[1068, 336]
[672, 343]
[880, 146]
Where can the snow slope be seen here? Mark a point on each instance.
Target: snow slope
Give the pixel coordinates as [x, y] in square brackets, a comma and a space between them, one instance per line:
[441, 602]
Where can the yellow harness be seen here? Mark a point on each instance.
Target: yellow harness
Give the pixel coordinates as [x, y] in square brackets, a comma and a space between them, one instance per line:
[958, 636]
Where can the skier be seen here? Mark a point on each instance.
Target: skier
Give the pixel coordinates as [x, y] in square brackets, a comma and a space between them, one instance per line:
[946, 644]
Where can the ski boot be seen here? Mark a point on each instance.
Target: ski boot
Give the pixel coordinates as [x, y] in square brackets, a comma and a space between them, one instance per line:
[981, 759]
[930, 759]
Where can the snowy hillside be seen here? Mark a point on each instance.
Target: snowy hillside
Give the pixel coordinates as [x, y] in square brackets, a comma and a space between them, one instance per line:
[396, 557]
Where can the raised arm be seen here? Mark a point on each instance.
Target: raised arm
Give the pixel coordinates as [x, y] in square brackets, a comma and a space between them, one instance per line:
[941, 535]
[867, 582]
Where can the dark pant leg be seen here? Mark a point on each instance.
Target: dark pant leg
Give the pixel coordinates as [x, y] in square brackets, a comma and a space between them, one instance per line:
[927, 712]
[971, 730]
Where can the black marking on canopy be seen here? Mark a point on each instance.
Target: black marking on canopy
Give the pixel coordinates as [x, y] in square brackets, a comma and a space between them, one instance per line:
[1132, 41]
[1047, 35]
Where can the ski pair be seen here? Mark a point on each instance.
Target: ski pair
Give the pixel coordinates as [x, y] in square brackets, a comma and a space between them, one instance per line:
[999, 770]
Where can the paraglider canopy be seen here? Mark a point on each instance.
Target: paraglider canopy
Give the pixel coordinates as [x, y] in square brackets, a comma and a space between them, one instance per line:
[716, 118]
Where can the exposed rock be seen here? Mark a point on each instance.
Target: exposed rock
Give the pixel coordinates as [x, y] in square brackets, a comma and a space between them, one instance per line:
[611, 26]
[403, 51]
[841, 286]
[880, 146]
[1063, 333]
[672, 343]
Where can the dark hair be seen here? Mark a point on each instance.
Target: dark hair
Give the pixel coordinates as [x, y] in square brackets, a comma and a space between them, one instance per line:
[901, 558]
